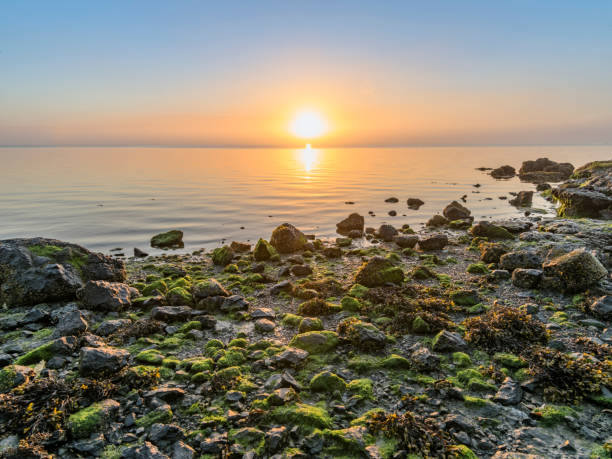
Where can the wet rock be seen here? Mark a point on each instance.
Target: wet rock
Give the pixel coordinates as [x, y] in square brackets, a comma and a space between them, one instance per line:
[222, 256]
[301, 270]
[108, 327]
[425, 360]
[436, 241]
[146, 451]
[456, 211]
[545, 170]
[510, 393]
[414, 203]
[286, 238]
[602, 307]
[392, 200]
[355, 234]
[580, 203]
[102, 360]
[447, 341]
[168, 433]
[528, 259]
[526, 278]
[264, 325]
[575, 271]
[240, 247]
[332, 252]
[386, 232]
[406, 241]
[353, 222]
[105, 296]
[139, 253]
[378, 271]
[491, 231]
[171, 313]
[234, 303]
[492, 252]
[500, 274]
[436, 221]
[522, 199]
[71, 323]
[264, 251]
[503, 172]
[291, 357]
[169, 239]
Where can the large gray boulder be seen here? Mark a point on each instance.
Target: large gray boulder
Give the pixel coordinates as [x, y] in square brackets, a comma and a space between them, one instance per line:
[39, 270]
[95, 361]
[105, 296]
[575, 271]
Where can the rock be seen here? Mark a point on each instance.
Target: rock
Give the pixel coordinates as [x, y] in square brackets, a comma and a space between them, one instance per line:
[93, 418]
[436, 241]
[425, 360]
[437, 221]
[522, 199]
[326, 381]
[169, 239]
[510, 393]
[465, 297]
[491, 231]
[353, 222]
[146, 451]
[446, 341]
[414, 203]
[315, 342]
[503, 172]
[386, 232]
[264, 325]
[377, 272]
[583, 202]
[406, 241]
[301, 270]
[291, 357]
[263, 313]
[332, 252]
[363, 335]
[166, 393]
[392, 213]
[602, 307]
[13, 376]
[520, 259]
[456, 211]
[545, 170]
[275, 438]
[97, 361]
[392, 200]
[492, 252]
[208, 288]
[264, 251]
[222, 256]
[71, 323]
[514, 226]
[108, 327]
[165, 433]
[105, 296]
[526, 278]
[234, 303]
[286, 238]
[240, 247]
[355, 234]
[575, 271]
[139, 253]
[171, 313]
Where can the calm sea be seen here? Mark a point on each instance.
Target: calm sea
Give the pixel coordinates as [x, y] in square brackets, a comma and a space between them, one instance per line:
[105, 198]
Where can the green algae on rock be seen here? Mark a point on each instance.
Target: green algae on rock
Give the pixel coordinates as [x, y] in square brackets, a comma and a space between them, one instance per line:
[379, 271]
[172, 238]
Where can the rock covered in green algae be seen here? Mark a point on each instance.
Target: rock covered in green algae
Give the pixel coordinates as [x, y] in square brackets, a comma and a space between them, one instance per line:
[264, 251]
[326, 381]
[93, 418]
[286, 238]
[575, 271]
[377, 272]
[222, 256]
[315, 342]
[491, 231]
[172, 238]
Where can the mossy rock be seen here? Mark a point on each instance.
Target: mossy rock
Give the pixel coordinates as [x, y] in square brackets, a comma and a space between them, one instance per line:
[465, 297]
[351, 304]
[43, 352]
[150, 357]
[228, 374]
[310, 324]
[478, 385]
[379, 271]
[172, 238]
[13, 375]
[363, 388]
[463, 452]
[422, 273]
[286, 238]
[551, 415]
[327, 381]
[358, 291]
[309, 417]
[231, 358]
[264, 251]
[317, 307]
[478, 268]
[162, 415]
[92, 419]
[461, 359]
[179, 296]
[157, 287]
[250, 438]
[395, 361]
[315, 342]
[509, 360]
[213, 346]
[420, 326]
[238, 342]
[291, 320]
[222, 256]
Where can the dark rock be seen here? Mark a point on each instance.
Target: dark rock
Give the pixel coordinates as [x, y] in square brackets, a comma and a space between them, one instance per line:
[377, 272]
[165, 432]
[503, 172]
[291, 357]
[146, 451]
[437, 221]
[575, 271]
[240, 247]
[528, 259]
[102, 360]
[456, 211]
[492, 252]
[283, 286]
[234, 303]
[286, 238]
[139, 253]
[425, 360]
[522, 199]
[436, 241]
[526, 278]
[386, 232]
[301, 270]
[602, 307]
[545, 170]
[108, 327]
[169, 239]
[181, 450]
[510, 393]
[171, 313]
[332, 252]
[353, 222]
[105, 296]
[392, 200]
[71, 323]
[355, 234]
[406, 241]
[208, 288]
[446, 341]
[165, 393]
[414, 203]
[490, 231]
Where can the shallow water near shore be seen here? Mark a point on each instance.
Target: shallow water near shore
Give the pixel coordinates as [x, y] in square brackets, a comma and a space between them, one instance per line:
[105, 198]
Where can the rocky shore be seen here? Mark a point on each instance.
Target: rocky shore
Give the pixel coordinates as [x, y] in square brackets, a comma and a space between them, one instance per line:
[466, 339]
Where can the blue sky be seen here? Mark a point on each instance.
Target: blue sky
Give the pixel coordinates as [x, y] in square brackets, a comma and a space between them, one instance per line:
[231, 73]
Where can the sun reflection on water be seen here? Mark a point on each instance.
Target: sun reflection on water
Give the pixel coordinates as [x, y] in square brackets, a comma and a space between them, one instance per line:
[308, 157]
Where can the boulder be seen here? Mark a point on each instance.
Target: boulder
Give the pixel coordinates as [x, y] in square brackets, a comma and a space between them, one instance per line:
[526, 278]
[456, 211]
[315, 342]
[545, 170]
[222, 256]
[492, 252]
[582, 202]
[208, 288]
[105, 296]
[490, 231]
[575, 271]
[108, 327]
[240, 247]
[447, 341]
[521, 259]
[437, 221]
[286, 238]
[386, 232]
[406, 241]
[436, 241]
[414, 203]
[522, 199]
[602, 307]
[503, 172]
[95, 361]
[169, 239]
[378, 271]
[71, 323]
[352, 222]
[171, 313]
[263, 251]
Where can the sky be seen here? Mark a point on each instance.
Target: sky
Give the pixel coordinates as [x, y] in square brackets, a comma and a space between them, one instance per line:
[234, 73]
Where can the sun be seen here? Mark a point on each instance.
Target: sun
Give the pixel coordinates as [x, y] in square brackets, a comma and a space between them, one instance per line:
[308, 124]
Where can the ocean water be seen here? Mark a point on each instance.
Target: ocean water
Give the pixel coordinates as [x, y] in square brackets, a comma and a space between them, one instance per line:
[105, 198]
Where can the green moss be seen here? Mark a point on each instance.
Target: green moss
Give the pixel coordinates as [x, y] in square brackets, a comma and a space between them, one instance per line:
[171, 362]
[160, 415]
[150, 357]
[291, 320]
[358, 291]
[7, 378]
[463, 452]
[88, 420]
[317, 307]
[464, 376]
[509, 360]
[264, 251]
[477, 268]
[350, 304]
[213, 346]
[461, 359]
[199, 365]
[48, 251]
[310, 324]
[238, 342]
[475, 402]
[365, 418]
[228, 374]
[168, 239]
[420, 326]
[249, 438]
[551, 415]
[231, 358]
[179, 295]
[422, 273]
[364, 363]
[395, 361]
[362, 388]
[191, 325]
[300, 414]
[478, 385]
[43, 352]
[315, 342]
[327, 382]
